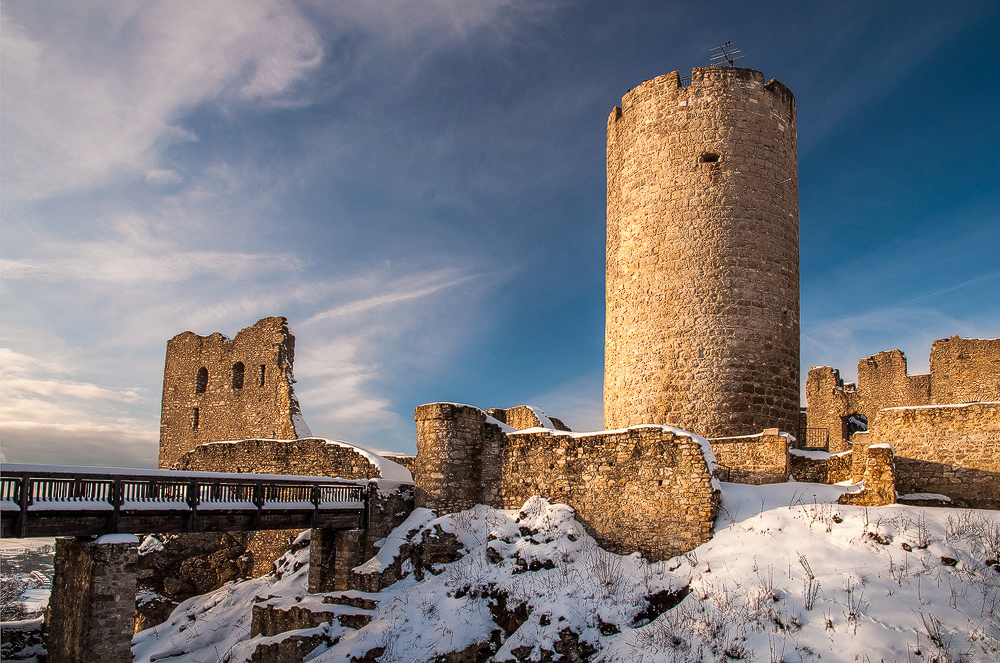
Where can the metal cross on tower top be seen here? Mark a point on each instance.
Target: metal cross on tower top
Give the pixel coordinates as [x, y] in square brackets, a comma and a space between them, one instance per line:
[727, 53]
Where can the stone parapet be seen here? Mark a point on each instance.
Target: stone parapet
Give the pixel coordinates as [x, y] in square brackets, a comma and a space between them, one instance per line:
[304, 457]
[753, 459]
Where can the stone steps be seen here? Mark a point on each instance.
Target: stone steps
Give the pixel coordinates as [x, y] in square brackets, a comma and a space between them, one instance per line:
[353, 598]
[285, 631]
[290, 646]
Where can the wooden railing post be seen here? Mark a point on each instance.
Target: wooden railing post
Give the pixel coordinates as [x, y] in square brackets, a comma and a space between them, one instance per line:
[193, 498]
[116, 502]
[23, 500]
[258, 501]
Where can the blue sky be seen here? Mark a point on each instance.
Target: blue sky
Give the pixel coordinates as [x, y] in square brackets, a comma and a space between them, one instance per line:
[419, 186]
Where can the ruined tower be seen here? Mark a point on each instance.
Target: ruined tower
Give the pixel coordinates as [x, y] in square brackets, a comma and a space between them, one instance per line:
[702, 296]
[216, 389]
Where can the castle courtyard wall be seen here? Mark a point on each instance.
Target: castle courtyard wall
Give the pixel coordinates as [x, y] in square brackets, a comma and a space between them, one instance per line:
[752, 459]
[306, 457]
[647, 488]
[951, 450]
[963, 370]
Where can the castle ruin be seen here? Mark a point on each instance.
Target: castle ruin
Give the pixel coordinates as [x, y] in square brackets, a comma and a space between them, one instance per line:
[219, 389]
[702, 334]
[944, 426]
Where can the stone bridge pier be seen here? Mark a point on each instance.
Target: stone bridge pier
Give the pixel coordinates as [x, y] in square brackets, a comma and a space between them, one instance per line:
[92, 606]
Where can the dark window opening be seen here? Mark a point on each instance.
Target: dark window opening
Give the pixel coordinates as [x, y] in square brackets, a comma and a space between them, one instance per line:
[201, 381]
[708, 157]
[238, 375]
[854, 423]
[260, 375]
[194, 419]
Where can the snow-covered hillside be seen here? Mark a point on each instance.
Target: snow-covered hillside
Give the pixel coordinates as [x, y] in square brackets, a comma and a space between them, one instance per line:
[789, 576]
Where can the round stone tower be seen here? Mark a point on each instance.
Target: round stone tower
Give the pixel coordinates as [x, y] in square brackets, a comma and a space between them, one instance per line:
[703, 255]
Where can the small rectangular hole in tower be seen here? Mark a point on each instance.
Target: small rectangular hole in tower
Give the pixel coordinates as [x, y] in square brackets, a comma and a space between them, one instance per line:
[260, 375]
[194, 419]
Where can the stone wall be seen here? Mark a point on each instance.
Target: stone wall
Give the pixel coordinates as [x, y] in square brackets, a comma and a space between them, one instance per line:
[754, 459]
[950, 450]
[303, 457]
[523, 417]
[879, 476]
[92, 606]
[219, 389]
[647, 488]
[962, 370]
[409, 462]
[965, 370]
[819, 466]
[702, 280]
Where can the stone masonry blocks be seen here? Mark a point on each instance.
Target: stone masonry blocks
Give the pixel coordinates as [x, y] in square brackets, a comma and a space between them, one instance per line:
[644, 489]
[702, 276]
[952, 450]
[218, 389]
[963, 370]
[92, 616]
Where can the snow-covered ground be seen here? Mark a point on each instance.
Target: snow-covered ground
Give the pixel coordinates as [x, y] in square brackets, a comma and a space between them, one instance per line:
[789, 576]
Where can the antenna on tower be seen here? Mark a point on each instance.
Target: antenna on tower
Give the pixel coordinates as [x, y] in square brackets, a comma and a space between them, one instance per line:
[726, 53]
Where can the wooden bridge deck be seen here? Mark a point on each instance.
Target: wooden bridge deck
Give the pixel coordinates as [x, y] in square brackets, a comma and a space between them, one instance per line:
[48, 500]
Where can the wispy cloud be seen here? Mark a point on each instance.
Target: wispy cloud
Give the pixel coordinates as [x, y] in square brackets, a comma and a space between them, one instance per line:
[842, 341]
[99, 88]
[46, 411]
[403, 290]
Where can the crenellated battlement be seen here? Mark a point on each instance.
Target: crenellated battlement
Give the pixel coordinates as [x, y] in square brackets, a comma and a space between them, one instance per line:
[706, 82]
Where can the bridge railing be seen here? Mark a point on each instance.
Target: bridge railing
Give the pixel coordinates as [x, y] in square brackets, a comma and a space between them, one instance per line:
[109, 495]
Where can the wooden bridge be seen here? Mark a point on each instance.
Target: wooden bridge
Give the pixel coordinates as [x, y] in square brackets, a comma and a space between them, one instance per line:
[48, 500]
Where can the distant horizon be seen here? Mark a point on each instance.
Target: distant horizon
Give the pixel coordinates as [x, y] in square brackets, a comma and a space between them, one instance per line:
[420, 190]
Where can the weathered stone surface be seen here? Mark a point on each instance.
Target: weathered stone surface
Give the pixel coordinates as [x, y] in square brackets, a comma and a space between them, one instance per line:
[152, 609]
[702, 278]
[216, 389]
[333, 554]
[192, 564]
[950, 450]
[643, 489]
[879, 477]
[753, 459]
[523, 417]
[92, 606]
[288, 647]
[420, 555]
[963, 370]
[820, 468]
[22, 640]
[303, 457]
